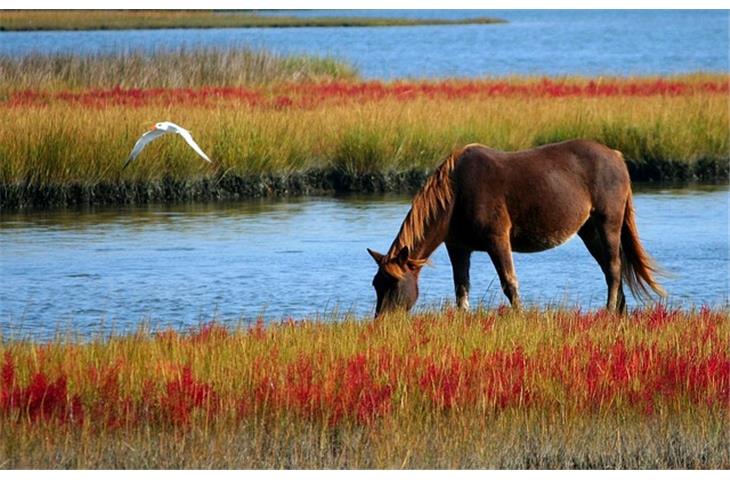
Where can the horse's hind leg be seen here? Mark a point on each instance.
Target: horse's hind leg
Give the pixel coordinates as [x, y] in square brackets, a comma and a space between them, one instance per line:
[460, 261]
[603, 248]
[500, 251]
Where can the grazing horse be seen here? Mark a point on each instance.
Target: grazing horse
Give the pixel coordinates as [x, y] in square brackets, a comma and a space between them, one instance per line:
[487, 200]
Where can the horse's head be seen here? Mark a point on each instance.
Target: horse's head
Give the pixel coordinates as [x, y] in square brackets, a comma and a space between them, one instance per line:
[396, 281]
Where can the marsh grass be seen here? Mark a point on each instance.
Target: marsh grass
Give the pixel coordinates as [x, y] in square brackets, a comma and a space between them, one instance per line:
[492, 388]
[181, 68]
[291, 125]
[57, 145]
[149, 19]
[508, 443]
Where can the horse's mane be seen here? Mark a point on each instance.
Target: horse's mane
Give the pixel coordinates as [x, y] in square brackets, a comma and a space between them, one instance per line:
[431, 201]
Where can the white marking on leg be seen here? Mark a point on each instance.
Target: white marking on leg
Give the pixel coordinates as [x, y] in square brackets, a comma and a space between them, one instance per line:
[463, 303]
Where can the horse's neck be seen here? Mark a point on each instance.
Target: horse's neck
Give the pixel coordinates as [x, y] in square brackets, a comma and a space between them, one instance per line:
[434, 233]
[426, 225]
[425, 248]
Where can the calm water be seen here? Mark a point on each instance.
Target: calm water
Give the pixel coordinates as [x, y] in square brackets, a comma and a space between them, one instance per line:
[177, 266]
[534, 42]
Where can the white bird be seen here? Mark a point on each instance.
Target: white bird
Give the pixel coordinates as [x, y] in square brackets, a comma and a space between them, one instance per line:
[159, 129]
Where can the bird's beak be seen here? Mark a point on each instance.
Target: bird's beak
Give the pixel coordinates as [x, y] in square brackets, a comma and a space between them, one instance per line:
[153, 128]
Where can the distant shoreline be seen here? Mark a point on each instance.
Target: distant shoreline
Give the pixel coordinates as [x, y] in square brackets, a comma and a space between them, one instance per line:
[70, 20]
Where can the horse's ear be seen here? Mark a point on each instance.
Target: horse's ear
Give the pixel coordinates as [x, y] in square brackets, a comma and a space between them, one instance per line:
[378, 257]
[402, 257]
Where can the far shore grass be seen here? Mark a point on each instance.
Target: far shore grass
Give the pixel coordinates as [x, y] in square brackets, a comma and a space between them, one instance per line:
[28, 20]
[166, 68]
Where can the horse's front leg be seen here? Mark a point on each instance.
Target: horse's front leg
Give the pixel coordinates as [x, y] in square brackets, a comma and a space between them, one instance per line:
[460, 261]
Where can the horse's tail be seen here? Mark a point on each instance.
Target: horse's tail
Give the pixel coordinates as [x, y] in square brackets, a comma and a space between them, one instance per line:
[637, 267]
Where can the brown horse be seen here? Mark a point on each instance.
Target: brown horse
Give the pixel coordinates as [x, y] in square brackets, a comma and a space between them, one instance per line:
[487, 200]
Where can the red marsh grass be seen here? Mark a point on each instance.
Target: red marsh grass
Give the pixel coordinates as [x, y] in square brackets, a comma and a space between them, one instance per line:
[491, 388]
[308, 94]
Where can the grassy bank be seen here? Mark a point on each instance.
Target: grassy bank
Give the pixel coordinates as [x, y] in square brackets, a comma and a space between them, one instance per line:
[296, 125]
[68, 147]
[26, 20]
[492, 388]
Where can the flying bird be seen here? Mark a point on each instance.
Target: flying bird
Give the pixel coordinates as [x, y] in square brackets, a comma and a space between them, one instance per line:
[159, 129]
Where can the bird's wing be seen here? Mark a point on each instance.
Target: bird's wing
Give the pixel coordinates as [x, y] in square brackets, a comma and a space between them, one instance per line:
[189, 139]
[141, 143]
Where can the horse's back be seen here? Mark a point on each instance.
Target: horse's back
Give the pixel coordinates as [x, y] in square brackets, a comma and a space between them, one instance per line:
[573, 165]
[542, 195]
[581, 157]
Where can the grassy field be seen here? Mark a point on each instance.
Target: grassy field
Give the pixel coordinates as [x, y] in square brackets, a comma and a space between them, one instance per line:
[274, 124]
[487, 389]
[25, 20]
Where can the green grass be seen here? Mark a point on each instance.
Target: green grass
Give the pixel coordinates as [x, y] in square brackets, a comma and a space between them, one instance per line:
[25, 20]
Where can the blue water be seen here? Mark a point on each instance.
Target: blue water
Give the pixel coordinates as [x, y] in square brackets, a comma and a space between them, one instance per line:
[176, 266]
[539, 42]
